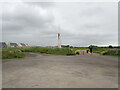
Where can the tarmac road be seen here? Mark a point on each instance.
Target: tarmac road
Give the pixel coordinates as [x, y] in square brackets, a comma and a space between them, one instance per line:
[49, 71]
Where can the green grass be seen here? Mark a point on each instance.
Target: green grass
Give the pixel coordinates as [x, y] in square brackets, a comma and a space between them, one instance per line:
[54, 51]
[35, 49]
[78, 48]
[61, 51]
[107, 51]
[9, 53]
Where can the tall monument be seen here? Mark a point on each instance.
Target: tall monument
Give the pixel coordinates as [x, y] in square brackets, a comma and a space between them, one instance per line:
[59, 38]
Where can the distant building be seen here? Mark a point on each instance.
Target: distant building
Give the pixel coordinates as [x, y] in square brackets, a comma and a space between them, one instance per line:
[3, 45]
[19, 45]
[23, 45]
[13, 44]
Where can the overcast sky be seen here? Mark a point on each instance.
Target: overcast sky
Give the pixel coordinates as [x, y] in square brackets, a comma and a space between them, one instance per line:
[81, 23]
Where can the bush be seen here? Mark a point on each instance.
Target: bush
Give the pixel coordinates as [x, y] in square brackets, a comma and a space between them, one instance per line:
[113, 52]
[110, 46]
[9, 53]
[104, 52]
[107, 51]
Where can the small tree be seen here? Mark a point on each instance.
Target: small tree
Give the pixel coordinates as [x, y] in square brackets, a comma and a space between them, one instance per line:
[110, 46]
[93, 46]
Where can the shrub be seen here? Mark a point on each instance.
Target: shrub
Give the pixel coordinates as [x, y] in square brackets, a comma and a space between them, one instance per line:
[104, 52]
[9, 53]
[111, 52]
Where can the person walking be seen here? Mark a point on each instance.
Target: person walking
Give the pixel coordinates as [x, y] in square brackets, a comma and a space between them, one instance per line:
[91, 50]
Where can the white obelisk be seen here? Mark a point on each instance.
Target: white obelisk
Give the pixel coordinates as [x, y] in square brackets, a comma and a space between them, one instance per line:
[59, 39]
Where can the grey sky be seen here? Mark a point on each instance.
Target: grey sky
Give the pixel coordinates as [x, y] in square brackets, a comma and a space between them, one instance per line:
[81, 23]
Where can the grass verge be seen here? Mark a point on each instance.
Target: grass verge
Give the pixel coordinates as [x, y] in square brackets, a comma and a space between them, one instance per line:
[54, 51]
[9, 53]
[107, 51]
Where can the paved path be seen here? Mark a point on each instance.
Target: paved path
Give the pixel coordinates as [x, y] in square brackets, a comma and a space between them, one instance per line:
[49, 71]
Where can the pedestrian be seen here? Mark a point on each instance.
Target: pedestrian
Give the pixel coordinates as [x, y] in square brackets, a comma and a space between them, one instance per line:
[91, 50]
